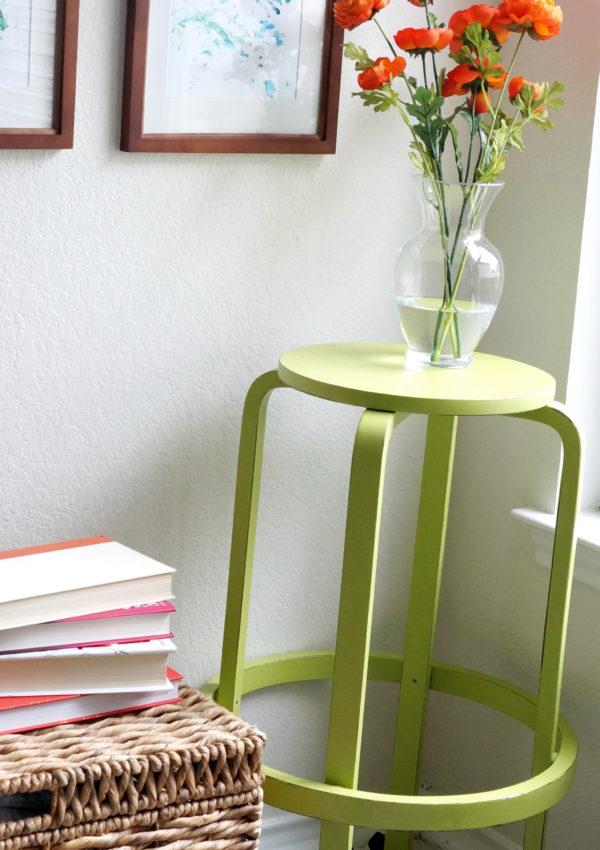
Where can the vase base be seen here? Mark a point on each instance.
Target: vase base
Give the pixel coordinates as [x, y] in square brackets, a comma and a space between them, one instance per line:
[415, 358]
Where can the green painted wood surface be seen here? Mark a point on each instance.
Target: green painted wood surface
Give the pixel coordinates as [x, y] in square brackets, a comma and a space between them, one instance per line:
[356, 611]
[243, 538]
[373, 376]
[559, 595]
[422, 612]
[406, 812]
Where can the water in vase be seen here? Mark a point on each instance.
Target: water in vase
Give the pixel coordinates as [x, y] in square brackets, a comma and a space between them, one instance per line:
[419, 316]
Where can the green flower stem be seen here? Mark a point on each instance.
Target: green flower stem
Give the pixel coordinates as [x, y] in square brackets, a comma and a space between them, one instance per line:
[473, 114]
[410, 91]
[448, 312]
[480, 154]
[467, 197]
[448, 288]
[444, 233]
[497, 110]
[424, 156]
[383, 33]
[424, 70]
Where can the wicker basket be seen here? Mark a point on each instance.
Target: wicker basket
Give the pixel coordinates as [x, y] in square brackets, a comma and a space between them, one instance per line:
[184, 775]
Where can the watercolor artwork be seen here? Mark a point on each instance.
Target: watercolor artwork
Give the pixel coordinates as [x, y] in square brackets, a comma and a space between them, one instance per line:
[15, 43]
[27, 45]
[234, 49]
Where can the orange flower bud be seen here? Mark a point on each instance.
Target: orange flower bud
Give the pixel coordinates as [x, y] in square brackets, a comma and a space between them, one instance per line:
[516, 84]
[482, 103]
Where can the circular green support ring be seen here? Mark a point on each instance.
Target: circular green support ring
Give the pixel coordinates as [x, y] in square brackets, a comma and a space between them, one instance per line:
[411, 813]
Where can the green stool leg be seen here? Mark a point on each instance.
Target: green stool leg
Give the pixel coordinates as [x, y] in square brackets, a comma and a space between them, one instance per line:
[559, 594]
[242, 541]
[422, 613]
[355, 611]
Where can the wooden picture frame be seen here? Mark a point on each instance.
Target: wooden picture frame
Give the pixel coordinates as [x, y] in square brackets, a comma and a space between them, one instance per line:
[41, 84]
[168, 105]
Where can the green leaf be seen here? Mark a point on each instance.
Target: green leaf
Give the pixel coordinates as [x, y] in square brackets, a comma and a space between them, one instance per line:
[382, 99]
[474, 121]
[359, 55]
[516, 137]
[479, 38]
[542, 122]
[457, 152]
[493, 171]
[416, 159]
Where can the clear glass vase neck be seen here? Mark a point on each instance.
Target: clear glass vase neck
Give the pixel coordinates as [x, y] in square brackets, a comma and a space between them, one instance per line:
[456, 205]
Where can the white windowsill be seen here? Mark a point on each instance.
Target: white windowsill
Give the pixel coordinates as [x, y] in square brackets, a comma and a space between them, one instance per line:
[587, 558]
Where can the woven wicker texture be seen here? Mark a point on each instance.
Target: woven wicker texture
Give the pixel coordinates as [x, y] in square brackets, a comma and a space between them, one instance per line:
[233, 826]
[193, 752]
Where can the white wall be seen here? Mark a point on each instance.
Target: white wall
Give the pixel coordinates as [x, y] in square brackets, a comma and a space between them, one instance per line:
[141, 295]
[493, 597]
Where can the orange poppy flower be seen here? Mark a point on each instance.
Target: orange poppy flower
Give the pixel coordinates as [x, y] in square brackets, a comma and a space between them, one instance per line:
[460, 80]
[351, 13]
[383, 71]
[482, 14]
[424, 39]
[541, 19]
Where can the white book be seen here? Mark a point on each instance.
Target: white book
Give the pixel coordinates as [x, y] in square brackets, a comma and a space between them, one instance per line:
[148, 621]
[77, 577]
[20, 714]
[119, 667]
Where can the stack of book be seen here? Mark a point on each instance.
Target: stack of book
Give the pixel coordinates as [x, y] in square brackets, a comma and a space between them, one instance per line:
[84, 632]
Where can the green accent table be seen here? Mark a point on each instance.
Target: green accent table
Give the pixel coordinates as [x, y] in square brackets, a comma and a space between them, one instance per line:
[376, 377]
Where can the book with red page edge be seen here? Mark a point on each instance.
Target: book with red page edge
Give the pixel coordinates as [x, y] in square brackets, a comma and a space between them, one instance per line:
[23, 714]
[149, 621]
[76, 577]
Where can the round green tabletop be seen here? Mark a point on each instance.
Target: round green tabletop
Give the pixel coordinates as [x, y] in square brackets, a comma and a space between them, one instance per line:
[377, 376]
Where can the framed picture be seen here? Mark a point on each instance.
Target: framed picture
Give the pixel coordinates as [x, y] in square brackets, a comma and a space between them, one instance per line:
[38, 61]
[231, 76]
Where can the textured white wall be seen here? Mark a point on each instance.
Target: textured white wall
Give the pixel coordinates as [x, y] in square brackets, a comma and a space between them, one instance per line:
[141, 295]
[493, 595]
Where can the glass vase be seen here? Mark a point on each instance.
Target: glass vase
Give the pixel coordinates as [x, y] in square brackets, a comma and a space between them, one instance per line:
[448, 276]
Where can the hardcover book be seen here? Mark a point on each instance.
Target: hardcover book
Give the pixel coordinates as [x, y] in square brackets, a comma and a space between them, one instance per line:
[74, 578]
[118, 667]
[21, 714]
[148, 621]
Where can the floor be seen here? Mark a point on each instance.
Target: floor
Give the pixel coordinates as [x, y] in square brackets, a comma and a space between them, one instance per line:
[419, 844]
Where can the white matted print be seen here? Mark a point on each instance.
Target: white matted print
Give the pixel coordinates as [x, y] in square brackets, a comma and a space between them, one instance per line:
[233, 66]
[27, 63]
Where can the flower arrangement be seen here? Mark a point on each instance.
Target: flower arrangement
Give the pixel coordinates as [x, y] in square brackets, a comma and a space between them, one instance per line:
[469, 138]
